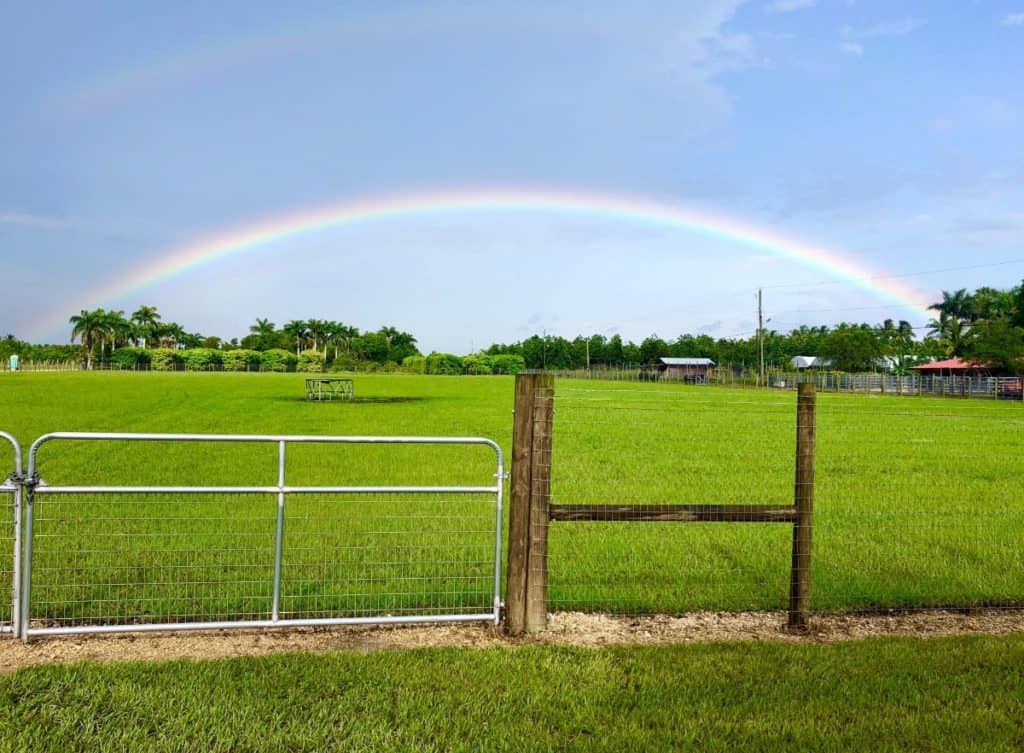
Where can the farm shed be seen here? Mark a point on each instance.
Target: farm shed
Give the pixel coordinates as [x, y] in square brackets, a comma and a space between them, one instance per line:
[953, 367]
[693, 370]
[810, 362]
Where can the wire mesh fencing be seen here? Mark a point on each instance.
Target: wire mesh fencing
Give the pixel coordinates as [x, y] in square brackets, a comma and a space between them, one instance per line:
[918, 504]
[10, 519]
[256, 531]
[655, 447]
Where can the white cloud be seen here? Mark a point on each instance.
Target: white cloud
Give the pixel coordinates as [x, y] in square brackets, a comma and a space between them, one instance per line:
[884, 29]
[787, 6]
[1013, 19]
[851, 48]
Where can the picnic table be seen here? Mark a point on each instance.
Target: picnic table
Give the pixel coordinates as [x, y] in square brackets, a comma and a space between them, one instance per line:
[324, 388]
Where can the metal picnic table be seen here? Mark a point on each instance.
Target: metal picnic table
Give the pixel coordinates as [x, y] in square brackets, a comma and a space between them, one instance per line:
[324, 388]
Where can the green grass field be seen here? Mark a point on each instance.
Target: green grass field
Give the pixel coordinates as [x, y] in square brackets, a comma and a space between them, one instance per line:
[919, 501]
[963, 694]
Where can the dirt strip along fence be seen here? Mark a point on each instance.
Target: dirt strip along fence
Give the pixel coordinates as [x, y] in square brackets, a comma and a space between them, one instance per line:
[532, 513]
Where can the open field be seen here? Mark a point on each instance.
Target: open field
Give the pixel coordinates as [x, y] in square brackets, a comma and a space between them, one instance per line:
[920, 502]
[959, 694]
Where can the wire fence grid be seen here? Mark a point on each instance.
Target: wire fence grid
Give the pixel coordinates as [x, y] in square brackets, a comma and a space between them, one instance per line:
[917, 504]
[981, 387]
[300, 548]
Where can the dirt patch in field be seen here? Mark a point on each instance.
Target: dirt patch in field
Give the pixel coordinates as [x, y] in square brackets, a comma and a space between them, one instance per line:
[566, 628]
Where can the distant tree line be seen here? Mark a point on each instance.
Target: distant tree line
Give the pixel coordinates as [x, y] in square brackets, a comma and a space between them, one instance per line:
[986, 326]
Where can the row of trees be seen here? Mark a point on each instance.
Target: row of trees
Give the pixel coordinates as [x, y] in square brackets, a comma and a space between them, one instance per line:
[102, 332]
[985, 326]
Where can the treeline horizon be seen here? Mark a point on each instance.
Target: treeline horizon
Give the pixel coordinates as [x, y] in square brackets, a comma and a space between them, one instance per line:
[986, 326]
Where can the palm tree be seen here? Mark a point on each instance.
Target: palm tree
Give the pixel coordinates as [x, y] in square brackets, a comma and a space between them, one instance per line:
[317, 331]
[297, 329]
[90, 327]
[169, 334]
[262, 328]
[956, 305]
[341, 334]
[146, 319]
[119, 330]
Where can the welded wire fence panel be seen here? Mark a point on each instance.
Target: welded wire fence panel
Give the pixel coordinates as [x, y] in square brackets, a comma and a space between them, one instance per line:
[919, 504]
[6, 555]
[395, 555]
[10, 497]
[190, 531]
[151, 558]
[670, 444]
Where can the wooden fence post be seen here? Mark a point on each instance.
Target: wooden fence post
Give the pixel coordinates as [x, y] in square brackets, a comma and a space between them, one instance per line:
[526, 602]
[800, 581]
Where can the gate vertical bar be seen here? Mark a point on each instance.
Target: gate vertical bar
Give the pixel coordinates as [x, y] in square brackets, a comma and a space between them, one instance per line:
[275, 612]
[26, 570]
[499, 477]
[800, 582]
[16, 562]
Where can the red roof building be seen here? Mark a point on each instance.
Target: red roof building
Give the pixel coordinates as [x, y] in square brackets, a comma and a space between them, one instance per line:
[953, 367]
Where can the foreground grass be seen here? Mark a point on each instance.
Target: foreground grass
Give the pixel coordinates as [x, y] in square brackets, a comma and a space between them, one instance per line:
[962, 694]
[918, 500]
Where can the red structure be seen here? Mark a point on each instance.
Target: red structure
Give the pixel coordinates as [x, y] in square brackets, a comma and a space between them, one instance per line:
[953, 367]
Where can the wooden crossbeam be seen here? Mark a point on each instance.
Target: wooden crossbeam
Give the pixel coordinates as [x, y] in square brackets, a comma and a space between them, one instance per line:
[674, 513]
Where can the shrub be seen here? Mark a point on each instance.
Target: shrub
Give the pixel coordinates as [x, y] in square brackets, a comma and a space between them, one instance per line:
[130, 358]
[415, 364]
[310, 361]
[277, 359]
[443, 363]
[201, 359]
[476, 365]
[344, 362]
[240, 360]
[165, 359]
[505, 364]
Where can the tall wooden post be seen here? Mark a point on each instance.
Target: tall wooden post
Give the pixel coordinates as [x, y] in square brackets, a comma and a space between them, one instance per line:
[526, 602]
[800, 581]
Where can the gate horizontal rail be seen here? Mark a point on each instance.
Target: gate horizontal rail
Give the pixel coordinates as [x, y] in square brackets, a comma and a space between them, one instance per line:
[35, 486]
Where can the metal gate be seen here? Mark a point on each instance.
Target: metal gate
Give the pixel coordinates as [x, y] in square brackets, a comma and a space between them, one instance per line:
[10, 536]
[123, 558]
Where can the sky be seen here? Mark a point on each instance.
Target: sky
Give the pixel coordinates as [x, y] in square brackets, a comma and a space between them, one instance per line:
[884, 134]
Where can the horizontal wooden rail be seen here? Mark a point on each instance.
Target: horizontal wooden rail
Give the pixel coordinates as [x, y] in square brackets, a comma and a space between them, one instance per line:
[674, 513]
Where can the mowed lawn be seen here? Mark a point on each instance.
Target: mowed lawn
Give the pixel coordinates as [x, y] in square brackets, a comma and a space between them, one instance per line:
[920, 502]
[961, 694]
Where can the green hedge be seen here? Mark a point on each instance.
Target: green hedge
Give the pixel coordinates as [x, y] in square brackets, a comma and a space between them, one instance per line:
[165, 359]
[277, 359]
[310, 361]
[130, 358]
[201, 359]
[240, 360]
[443, 363]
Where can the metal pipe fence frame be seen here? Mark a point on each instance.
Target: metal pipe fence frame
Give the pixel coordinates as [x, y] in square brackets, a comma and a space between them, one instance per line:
[12, 485]
[33, 486]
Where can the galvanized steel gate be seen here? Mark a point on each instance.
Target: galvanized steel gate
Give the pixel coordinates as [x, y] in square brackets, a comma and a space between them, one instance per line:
[434, 570]
[11, 533]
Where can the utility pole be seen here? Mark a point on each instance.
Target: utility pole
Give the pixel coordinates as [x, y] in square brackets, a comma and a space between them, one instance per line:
[760, 336]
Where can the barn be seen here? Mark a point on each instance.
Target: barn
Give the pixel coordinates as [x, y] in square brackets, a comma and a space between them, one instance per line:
[692, 370]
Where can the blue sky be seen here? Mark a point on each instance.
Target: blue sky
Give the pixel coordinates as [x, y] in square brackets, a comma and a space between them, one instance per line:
[887, 130]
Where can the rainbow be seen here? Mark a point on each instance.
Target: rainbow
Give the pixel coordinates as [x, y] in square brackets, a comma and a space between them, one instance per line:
[207, 250]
